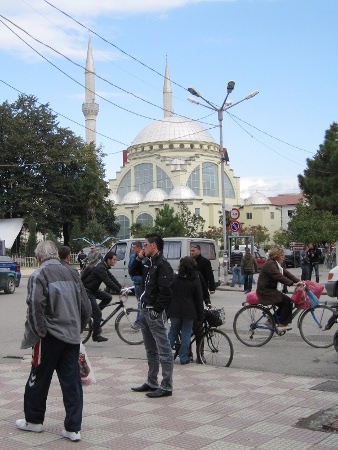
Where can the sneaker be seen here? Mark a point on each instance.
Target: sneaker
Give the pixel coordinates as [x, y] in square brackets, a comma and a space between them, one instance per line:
[135, 327]
[283, 328]
[72, 435]
[22, 424]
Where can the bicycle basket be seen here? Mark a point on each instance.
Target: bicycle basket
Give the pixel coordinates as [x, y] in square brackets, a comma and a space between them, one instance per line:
[215, 317]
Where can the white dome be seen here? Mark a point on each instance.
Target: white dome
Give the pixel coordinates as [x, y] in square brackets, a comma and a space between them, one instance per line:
[155, 195]
[182, 192]
[114, 198]
[133, 197]
[174, 129]
[257, 199]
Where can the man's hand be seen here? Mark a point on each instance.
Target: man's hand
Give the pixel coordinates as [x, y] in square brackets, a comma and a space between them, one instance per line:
[153, 315]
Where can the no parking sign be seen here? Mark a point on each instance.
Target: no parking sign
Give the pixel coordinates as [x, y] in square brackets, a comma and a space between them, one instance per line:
[235, 226]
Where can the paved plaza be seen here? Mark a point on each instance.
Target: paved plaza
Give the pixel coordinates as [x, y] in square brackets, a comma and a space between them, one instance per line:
[211, 409]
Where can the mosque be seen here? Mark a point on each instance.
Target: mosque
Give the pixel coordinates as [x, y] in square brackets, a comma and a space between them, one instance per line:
[173, 160]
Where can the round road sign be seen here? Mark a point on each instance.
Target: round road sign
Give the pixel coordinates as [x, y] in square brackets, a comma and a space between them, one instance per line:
[234, 213]
[235, 226]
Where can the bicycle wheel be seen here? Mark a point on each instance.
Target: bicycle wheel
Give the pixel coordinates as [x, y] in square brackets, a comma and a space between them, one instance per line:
[250, 325]
[335, 341]
[87, 332]
[215, 348]
[312, 326]
[124, 326]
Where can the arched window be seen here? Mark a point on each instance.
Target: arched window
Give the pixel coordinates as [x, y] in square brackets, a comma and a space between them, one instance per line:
[145, 219]
[124, 231]
[143, 174]
[228, 188]
[163, 181]
[125, 185]
[210, 179]
[194, 180]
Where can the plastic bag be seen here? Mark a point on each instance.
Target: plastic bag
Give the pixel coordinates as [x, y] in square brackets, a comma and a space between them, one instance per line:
[316, 288]
[252, 298]
[313, 298]
[86, 370]
[300, 298]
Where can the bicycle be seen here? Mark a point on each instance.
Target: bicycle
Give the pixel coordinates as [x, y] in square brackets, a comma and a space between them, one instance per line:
[213, 346]
[124, 322]
[254, 325]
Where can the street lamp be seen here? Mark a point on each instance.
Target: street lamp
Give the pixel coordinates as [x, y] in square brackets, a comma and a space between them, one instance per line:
[220, 110]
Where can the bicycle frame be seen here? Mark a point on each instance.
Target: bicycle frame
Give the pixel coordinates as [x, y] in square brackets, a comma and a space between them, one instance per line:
[121, 305]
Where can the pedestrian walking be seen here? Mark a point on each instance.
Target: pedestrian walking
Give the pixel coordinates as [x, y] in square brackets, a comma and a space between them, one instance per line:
[58, 310]
[248, 268]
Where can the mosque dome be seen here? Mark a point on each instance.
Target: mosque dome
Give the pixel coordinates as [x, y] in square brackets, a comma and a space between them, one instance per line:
[257, 199]
[155, 195]
[182, 192]
[175, 129]
[114, 198]
[132, 198]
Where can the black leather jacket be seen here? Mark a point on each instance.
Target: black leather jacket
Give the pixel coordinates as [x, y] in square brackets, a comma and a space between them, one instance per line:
[156, 281]
[100, 274]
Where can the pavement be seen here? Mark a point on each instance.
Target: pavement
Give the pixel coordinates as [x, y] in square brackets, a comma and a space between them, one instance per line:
[211, 409]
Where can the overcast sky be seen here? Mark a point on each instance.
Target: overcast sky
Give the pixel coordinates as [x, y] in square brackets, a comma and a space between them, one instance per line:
[287, 49]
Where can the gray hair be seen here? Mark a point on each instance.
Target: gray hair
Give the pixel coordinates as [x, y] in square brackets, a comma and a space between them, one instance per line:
[46, 250]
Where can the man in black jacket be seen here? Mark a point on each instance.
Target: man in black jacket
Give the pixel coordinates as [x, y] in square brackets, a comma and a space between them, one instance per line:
[92, 279]
[203, 266]
[155, 298]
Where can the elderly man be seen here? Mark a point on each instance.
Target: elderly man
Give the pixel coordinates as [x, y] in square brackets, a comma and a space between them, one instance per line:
[58, 310]
[203, 266]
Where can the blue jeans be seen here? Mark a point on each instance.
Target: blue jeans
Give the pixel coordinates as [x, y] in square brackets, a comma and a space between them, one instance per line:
[248, 282]
[158, 351]
[138, 292]
[236, 275]
[185, 326]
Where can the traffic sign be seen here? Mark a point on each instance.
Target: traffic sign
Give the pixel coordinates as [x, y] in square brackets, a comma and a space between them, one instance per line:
[235, 226]
[234, 214]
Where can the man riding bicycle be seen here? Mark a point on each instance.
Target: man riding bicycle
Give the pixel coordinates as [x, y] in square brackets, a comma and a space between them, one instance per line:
[92, 279]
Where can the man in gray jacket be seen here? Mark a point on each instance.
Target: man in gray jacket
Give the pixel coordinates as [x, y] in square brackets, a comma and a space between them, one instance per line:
[58, 310]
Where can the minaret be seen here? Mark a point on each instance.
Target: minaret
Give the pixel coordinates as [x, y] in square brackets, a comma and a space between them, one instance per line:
[167, 94]
[90, 109]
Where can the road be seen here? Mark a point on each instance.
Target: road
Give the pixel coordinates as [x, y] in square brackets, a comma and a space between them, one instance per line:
[288, 354]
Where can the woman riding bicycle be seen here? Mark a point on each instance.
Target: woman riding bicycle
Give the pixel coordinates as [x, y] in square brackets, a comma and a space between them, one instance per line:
[272, 281]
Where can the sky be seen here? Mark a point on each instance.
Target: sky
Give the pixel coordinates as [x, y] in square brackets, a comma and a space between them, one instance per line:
[286, 49]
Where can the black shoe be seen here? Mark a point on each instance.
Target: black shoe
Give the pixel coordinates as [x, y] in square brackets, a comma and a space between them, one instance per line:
[144, 388]
[159, 393]
[99, 338]
[185, 362]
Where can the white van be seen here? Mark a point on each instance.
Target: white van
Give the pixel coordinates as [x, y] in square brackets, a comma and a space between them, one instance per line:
[174, 249]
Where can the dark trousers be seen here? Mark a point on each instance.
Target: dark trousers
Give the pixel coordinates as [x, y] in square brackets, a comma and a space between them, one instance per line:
[248, 276]
[285, 310]
[105, 298]
[51, 354]
[305, 272]
[314, 267]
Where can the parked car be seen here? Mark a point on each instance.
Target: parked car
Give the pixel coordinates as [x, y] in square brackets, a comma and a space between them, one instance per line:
[10, 274]
[292, 258]
[331, 285]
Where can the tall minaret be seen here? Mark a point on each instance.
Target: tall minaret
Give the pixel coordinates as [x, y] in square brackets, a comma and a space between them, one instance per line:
[167, 94]
[90, 109]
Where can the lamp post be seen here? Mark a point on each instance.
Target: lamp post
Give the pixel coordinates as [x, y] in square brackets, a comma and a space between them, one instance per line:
[220, 110]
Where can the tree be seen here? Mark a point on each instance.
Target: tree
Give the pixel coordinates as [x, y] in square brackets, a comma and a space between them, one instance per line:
[320, 180]
[259, 233]
[32, 239]
[193, 223]
[169, 224]
[282, 237]
[47, 172]
[309, 224]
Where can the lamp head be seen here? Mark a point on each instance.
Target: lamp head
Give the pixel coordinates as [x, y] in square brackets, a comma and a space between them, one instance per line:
[194, 91]
[192, 100]
[230, 87]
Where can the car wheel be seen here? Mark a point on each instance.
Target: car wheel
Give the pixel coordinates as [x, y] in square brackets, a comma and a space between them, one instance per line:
[10, 286]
